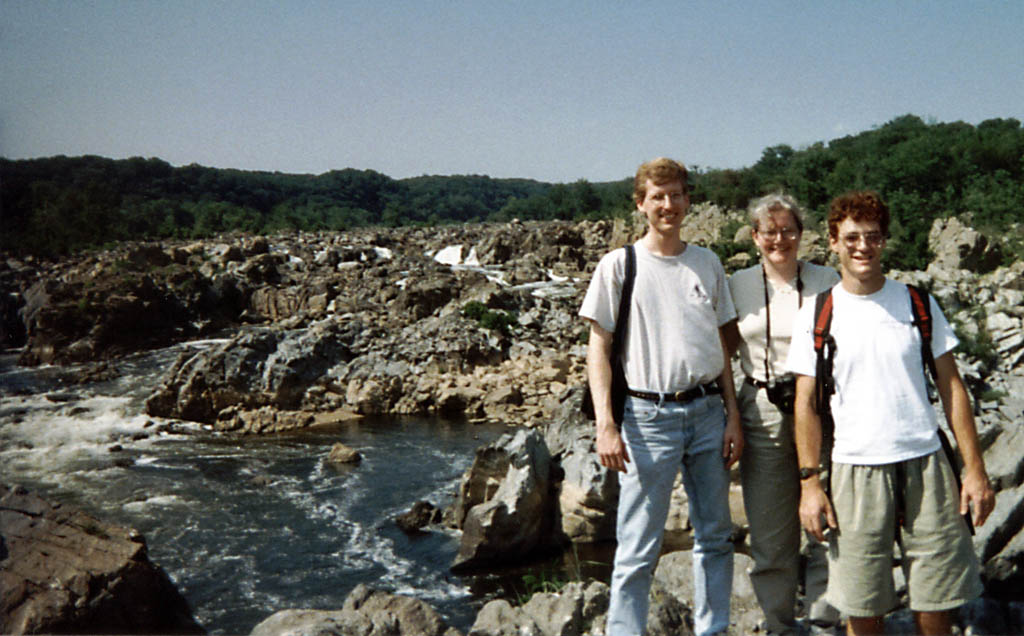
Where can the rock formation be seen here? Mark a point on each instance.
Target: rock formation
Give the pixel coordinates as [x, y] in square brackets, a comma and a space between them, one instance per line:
[505, 507]
[367, 612]
[63, 571]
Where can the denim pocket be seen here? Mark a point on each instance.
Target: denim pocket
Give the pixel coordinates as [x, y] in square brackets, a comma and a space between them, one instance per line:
[641, 410]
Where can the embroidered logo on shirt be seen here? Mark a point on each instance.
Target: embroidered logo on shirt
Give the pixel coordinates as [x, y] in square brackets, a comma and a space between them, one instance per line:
[698, 294]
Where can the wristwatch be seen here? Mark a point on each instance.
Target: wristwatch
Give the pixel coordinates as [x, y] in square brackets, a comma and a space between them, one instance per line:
[808, 472]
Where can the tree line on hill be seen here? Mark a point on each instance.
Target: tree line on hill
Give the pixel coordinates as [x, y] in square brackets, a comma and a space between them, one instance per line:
[56, 205]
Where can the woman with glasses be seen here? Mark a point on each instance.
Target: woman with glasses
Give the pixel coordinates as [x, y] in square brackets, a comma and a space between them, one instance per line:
[767, 297]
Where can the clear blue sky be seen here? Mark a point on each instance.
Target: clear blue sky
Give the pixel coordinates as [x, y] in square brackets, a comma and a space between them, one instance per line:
[555, 91]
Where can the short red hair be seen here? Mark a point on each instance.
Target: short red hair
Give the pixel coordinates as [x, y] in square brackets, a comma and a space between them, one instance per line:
[864, 205]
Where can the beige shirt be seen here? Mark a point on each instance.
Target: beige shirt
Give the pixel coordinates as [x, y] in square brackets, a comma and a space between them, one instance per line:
[747, 288]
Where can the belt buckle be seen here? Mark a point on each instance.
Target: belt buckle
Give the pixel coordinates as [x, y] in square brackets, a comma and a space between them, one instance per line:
[679, 396]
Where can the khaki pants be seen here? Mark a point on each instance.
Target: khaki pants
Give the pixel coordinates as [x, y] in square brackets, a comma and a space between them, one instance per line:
[771, 498]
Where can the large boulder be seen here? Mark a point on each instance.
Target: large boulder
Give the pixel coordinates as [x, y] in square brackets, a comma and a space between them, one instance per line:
[99, 318]
[63, 571]
[255, 369]
[423, 297]
[587, 493]
[960, 247]
[366, 612]
[277, 303]
[675, 574]
[999, 543]
[506, 502]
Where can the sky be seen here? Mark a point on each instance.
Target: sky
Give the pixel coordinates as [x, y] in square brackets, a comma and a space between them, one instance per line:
[548, 90]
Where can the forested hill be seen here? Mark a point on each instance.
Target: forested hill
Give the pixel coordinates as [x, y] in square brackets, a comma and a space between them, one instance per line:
[60, 204]
[55, 205]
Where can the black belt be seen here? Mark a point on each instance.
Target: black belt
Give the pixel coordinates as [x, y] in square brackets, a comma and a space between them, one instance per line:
[679, 396]
[755, 383]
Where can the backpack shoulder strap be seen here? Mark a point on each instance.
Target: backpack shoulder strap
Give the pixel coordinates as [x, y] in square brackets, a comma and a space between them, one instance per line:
[921, 308]
[625, 299]
[824, 350]
[822, 319]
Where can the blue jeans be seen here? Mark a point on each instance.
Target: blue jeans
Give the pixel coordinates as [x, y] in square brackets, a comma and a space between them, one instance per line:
[660, 438]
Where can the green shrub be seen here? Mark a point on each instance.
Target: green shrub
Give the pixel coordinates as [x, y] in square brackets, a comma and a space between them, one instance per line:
[474, 310]
[495, 320]
[992, 395]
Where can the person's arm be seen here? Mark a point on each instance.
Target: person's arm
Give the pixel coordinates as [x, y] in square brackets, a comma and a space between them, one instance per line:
[610, 448]
[975, 488]
[731, 332]
[814, 502]
[732, 443]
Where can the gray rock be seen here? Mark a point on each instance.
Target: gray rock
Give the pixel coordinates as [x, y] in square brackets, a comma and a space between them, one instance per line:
[513, 517]
[588, 493]
[500, 618]
[675, 573]
[576, 609]
[366, 612]
[1003, 458]
[63, 571]
[958, 246]
[341, 454]
[255, 369]
[422, 514]
[996, 537]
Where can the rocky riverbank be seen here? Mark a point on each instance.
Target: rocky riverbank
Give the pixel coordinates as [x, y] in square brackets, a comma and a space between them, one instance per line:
[473, 321]
[65, 572]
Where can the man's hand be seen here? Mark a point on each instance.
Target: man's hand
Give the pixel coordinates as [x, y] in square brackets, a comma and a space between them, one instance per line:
[976, 489]
[610, 448]
[813, 505]
[732, 440]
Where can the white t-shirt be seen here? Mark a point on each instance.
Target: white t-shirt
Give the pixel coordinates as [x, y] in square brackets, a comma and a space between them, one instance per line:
[678, 304]
[747, 287]
[880, 407]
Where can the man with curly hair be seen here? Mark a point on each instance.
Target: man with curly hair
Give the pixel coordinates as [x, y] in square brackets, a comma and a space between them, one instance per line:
[891, 482]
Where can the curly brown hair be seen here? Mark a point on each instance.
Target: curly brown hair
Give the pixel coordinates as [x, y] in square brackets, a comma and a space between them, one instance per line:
[864, 205]
[660, 171]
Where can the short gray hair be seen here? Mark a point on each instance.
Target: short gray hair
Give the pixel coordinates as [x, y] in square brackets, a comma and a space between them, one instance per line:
[761, 206]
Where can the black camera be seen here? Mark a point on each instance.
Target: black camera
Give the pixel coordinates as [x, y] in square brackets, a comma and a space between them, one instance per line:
[782, 393]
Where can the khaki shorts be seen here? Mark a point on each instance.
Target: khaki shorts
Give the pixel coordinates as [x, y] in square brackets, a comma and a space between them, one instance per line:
[939, 562]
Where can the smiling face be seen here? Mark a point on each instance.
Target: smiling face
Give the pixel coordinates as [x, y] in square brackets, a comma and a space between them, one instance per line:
[859, 246]
[777, 236]
[664, 206]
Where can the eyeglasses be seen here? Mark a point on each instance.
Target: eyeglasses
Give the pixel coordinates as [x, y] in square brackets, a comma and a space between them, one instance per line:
[873, 239]
[773, 235]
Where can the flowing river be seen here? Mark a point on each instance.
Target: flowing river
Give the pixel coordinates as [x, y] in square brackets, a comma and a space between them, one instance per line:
[245, 526]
